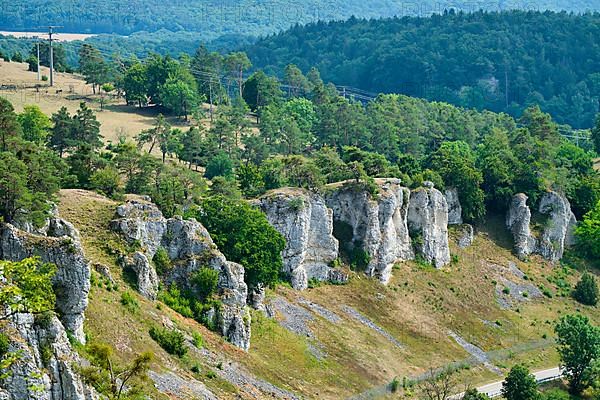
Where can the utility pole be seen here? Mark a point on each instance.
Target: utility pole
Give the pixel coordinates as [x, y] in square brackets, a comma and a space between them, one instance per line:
[50, 33]
[38, 58]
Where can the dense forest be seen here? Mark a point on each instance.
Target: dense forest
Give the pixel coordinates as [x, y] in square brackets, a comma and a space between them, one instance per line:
[212, 18]
[502, 62]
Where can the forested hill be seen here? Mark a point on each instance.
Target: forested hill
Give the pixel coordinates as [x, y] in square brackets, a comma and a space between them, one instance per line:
[214, 18]
[497, 61]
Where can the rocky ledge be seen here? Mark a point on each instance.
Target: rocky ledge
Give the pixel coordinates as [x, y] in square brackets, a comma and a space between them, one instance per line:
[306, 223]
[553, 232]
[190, 248]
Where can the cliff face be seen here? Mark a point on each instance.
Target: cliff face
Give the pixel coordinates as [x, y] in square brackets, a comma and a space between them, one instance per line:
[428, 221]
[190, 248]
[72, 279]
[556, 230]
[44, 368]
[377, 225]
[306, 223]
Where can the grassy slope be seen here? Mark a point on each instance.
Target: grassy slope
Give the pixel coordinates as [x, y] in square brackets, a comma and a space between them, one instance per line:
[418, 308]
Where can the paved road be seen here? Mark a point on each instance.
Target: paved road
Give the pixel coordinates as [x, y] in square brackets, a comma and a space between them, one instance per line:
[495, 389]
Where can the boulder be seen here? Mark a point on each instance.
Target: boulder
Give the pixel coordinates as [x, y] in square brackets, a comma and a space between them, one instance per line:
[190, 248]
[72, 279]
[374, 223]
[518, 221]
[466, 236]
[306, 223]
[558, 231]
[147, 280]
[428, 223]
[454, 207]
[46, 368]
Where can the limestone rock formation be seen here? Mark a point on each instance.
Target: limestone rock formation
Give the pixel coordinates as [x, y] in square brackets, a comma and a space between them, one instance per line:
[376, 224]
[45, 369]
[307, 226]
[190, 248]
[518, 221]
[72, 279]
[556, 230]
[147, 279]
[428, 223]
[467, 235]
[454, 207]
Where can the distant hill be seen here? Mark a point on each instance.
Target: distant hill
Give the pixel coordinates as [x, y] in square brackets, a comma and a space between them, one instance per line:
[214, 18]
[497, 61]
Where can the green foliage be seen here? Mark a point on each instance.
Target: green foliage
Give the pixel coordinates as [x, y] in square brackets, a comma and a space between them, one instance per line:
[204, 282]
[171, 340]
[245, 236]
[588, 233]
[4, 344]
[27, 287]
[162, 261]
[129, 302]
[579, 348]
[586, 290]
[197, 340]
[174, 298]
[220, 165]
[483, 75]
[455, 162]
[35, 124]
[112, 379]
[473, 394]
[520, 384]
[107, 181]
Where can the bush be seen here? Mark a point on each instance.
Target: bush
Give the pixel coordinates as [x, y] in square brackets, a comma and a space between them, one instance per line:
[205, 282]
[171, 340]
[586, 290]
[245, 236]
[219, 165]
[129, 301]
[162, 262]
[106, 181]
[197, 340]
[4, 344]
[395, 385]
[45, 78]
[177, 301]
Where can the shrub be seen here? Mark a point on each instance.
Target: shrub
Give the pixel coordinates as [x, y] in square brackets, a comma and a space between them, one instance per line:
[107, 181]
[205, 282]
[4, 344]
[162, 262]
[197, 340]
[175, 299]
[506, 290]
[395, 385]
[129, 302]
[586, 290]
[45, 78]
[171, 340]
[46, 353]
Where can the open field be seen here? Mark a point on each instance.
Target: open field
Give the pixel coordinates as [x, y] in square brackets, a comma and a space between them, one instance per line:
[334, 342]
[60, 37]
[69, 90]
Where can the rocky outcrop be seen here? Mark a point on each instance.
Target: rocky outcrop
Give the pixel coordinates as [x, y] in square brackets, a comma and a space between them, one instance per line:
[47, 365]
[555, 230]
[375, 224]
[518, 221]
[466, 236]
[147, 280]
[190, 248]
[428, 223]
[454, 207]
[558, 230]
[306, 223]
[72, 279]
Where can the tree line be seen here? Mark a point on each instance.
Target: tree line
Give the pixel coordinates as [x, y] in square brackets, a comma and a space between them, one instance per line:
[499, 61]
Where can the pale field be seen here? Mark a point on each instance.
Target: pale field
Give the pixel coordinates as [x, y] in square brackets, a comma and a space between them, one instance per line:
[117, 117]
[61, 37]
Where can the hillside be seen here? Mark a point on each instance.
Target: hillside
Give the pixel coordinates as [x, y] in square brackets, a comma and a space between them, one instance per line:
[497, 61]
[213, 18]
[318, 345]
